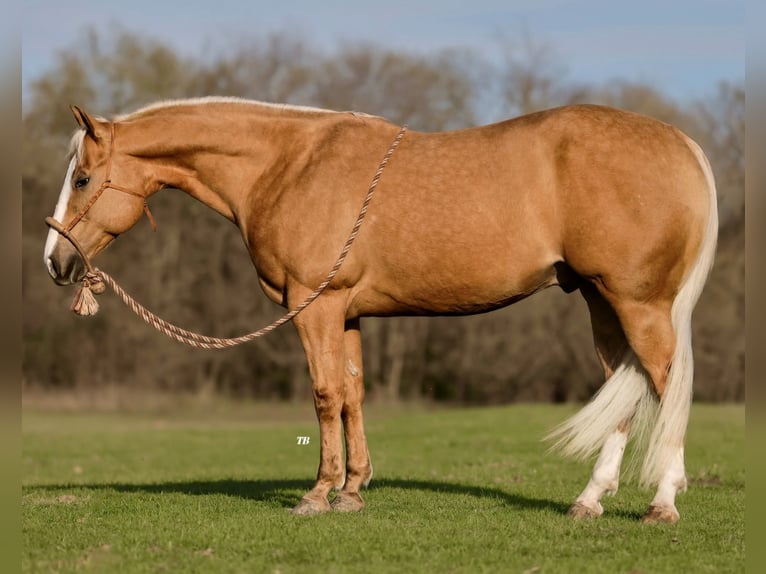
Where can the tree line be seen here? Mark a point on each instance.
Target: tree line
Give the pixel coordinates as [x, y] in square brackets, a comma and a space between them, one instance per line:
[200, 275]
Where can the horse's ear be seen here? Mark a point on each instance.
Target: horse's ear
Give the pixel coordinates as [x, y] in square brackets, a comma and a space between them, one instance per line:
[85, 121]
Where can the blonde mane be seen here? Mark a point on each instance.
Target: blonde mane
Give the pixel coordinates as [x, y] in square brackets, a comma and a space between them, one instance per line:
[165, 104]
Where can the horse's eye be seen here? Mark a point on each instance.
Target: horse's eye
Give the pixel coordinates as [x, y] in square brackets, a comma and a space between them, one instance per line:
[82, 182]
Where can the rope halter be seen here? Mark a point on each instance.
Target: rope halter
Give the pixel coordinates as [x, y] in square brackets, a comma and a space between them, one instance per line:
[107, 184]
[84, 302]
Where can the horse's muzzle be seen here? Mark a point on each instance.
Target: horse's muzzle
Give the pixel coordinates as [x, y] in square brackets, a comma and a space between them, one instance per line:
[65, 269]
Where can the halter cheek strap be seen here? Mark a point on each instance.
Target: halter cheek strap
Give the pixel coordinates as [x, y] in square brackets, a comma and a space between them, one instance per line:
[107, 184]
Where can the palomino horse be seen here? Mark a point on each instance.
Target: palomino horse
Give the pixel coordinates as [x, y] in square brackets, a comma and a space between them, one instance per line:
[617, 205]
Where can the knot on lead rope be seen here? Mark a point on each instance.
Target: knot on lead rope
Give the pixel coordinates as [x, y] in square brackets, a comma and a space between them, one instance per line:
[84, 302]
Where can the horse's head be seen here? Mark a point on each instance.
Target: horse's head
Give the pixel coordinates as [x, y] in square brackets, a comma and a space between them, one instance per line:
[91, 208]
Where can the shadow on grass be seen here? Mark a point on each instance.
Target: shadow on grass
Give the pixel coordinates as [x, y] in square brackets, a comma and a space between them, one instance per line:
[282, 491]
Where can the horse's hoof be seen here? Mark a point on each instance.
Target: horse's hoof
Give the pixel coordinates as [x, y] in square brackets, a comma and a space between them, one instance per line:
[580, 511]
[308, 506]
[660, 515]
[347, 502]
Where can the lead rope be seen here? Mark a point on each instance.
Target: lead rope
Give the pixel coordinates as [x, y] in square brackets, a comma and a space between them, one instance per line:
[95, 281]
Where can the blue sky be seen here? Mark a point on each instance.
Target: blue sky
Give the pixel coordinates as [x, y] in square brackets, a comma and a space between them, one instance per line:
[683, 47]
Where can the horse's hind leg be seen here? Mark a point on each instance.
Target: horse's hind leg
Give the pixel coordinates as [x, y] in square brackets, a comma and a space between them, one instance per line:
[611, 347]
[605, 477]
[650, 332]
[358, 466]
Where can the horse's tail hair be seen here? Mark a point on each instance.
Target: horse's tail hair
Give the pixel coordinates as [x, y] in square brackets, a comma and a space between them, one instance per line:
[628, 394]
[670, 428]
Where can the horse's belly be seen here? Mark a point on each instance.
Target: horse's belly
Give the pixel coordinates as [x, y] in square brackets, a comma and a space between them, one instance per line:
[450, 288]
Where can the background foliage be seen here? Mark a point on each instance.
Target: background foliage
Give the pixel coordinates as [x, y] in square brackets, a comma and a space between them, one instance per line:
[195, 270]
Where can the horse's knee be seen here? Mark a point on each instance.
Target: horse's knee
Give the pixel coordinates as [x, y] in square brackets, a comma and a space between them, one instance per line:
[328, 398]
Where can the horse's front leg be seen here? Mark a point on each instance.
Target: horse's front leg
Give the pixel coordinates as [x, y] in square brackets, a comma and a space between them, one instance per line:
[321, 329]
[358, 466]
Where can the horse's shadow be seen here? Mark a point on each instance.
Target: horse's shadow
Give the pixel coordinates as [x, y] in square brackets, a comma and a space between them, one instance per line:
[282, 491]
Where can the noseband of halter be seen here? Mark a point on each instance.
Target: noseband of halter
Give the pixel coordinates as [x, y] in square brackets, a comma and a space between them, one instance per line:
[106, 184]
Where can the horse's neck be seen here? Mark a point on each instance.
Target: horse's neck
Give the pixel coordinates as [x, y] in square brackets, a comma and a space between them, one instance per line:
[217, 160]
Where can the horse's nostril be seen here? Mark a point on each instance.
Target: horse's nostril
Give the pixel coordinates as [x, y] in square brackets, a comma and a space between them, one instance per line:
[53, 266]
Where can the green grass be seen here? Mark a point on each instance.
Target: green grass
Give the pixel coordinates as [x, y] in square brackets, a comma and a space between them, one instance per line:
[469, 490]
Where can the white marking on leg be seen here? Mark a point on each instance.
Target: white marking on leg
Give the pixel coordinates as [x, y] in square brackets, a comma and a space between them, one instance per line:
[672, 482]
[606, 472]
[58, 215]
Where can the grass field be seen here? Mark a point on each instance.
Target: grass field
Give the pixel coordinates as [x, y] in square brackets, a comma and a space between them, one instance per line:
[470, 490]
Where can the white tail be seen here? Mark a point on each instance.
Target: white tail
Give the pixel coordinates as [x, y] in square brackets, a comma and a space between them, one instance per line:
[628, 392]
[626, 395]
